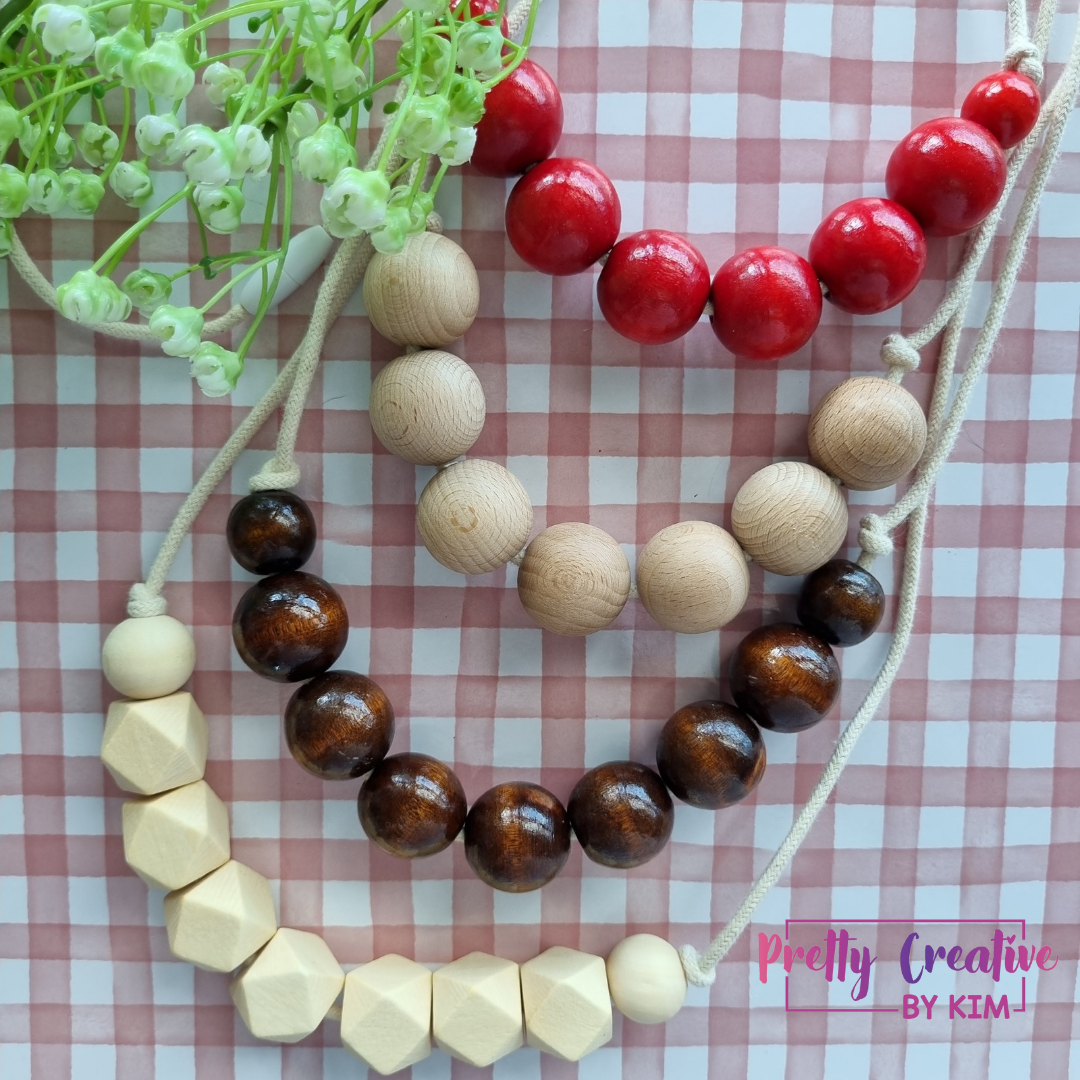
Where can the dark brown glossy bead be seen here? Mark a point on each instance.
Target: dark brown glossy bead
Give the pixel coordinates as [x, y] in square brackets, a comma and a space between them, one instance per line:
[290, 627]
[517, 837]
[339, 725]
[270, 532]
[621, 814]
[710, 754]
[412, 805]
[841, 602]
[784, 677]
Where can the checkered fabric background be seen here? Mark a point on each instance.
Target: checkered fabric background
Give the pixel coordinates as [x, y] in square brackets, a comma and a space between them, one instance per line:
[736, 123]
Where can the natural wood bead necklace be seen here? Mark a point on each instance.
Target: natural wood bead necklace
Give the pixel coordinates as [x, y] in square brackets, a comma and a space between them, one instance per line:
[474, 516]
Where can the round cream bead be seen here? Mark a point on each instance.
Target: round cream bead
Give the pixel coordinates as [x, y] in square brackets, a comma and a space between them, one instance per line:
[474, 516]
[148, 658]
[789, 517]
[427, 407]
[868, 432]
[646, 979]
[574, 579]
[428, 294]
[692, 577]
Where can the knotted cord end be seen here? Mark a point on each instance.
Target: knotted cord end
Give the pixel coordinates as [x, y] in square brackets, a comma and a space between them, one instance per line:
[434, 222]
[899, 356]
[271, 479]
[143, 603]
[1024, 56]
[874, 539]
[696, 972]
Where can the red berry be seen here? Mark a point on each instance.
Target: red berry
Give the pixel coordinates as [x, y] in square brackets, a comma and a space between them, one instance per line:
[949, 173]
[562, 216]
[766, 303]
[1006, 104]
[522, 122]
[869, 254]
[653, 287]
[479, 8]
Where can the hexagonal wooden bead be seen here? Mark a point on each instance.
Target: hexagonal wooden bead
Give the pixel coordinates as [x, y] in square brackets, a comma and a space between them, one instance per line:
[175, 838]
[476, 1008]
[155, 745]
[566, 1000]
[646, 979]
[147, 658]
[386, 1013]
[283, 992]
[217, 922]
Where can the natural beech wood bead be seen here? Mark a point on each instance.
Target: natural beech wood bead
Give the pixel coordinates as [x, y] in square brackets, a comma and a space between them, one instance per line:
[148, 658]
[217, 922]
[567, 1004]
[427, 408]
[784, 677]
[428, 294]
[290, 627]
[646, 979]
[476, 1008]
[868, 432]
[574, 579]
[386, 1013]
[175, 838]
[841, 602]
[692, 577]
[339, 725]
[789, 517]
[474, 516]
[710, 754]
[412, 805]
[517, 837]
[270, 532]
[156, 745]
[621, 814]
[283, 993]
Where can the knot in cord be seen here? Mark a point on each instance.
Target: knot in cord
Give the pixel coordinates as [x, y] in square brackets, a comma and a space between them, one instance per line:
[1024, 56]
[143, 603]
[899, 355]
[434, 222]
[873, 537]
[271, 479]
[696, 973]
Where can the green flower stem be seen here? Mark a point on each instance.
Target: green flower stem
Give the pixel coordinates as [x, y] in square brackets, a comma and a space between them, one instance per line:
[60, 91]
[258, 8]
[228, 56]
[438, 179]
[414, 80]
[116, 158]
[274, 105]
[26, 74]
[234, 281]
[261, 77]
[121, 244]
[43, 142]
[271, 198]
[220, 262]
[188, 9]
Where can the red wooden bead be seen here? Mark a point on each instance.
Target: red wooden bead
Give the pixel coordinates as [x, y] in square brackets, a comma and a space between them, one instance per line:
[949, 173]
[784, 677]
[562, 216]
[1006, 104]
[621, 814]
[869, 254]
[522, 122]
[653, 287]
[290, 627]
[766, 303]
[517, 837]
[412, 805]
[339, 725]
[270, 532]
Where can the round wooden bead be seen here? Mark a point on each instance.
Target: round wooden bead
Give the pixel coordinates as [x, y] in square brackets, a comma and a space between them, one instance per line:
[517, 837]
[412, 805]
[270, 532]
[474, 516]
[148, 658]
[692, 577]
[646, 979]
[784, 677]
[290, 627]
[841, 602]
[621, 814]
[339, 725]
[710, 754]
[789, 517]
[427, 407]
[574, 579]
[428, 294]
[867, 432]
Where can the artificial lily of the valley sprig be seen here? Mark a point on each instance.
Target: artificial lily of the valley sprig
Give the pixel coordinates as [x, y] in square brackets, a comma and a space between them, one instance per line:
[291, 105]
